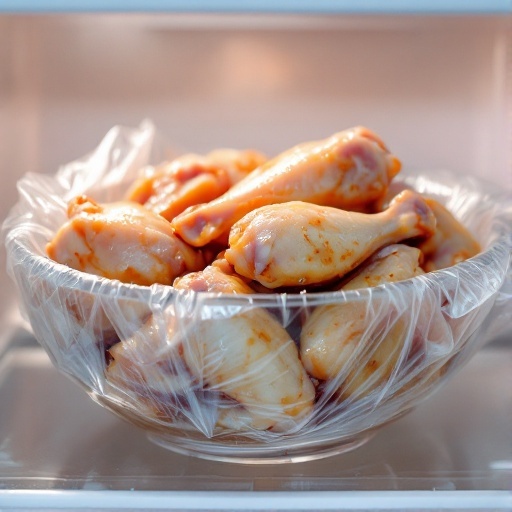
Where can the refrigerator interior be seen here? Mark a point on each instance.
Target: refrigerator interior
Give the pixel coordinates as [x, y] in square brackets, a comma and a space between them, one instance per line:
[439, 92]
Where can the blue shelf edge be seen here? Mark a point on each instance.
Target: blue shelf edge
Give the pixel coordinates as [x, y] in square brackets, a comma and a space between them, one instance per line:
[262, 6]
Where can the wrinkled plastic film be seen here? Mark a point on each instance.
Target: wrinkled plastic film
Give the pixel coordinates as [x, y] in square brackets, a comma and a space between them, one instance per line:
[225, 370]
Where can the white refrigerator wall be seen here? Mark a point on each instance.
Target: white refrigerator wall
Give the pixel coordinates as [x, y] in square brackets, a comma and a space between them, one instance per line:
[437, 89]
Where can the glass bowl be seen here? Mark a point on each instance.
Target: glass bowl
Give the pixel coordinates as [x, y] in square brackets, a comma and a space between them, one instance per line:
[435, 322]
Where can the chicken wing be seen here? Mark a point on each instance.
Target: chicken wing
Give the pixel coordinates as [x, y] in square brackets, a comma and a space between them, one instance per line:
[331, 338]
[148, 367]
[192, 179]
[122, 241]
[219, 277]
[248, 356]
[451, 242]
[296, 243]
[348, 170]
[395, 262]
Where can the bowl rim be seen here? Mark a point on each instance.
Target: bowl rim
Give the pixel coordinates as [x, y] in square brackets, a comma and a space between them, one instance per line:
[24, 250]
[64, 277]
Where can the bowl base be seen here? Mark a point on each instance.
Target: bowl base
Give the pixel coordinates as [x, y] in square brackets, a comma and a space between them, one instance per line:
[257, 455]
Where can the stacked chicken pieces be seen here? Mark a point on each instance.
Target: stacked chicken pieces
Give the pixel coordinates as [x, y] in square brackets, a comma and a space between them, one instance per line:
[321, 217]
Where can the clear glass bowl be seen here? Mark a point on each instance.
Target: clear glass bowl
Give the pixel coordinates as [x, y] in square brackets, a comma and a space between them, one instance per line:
[443, 317]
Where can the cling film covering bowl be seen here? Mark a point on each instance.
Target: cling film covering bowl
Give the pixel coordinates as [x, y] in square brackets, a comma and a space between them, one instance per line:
[425, 328]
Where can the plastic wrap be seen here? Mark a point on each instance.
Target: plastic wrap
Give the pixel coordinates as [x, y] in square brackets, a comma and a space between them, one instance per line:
[218, 375]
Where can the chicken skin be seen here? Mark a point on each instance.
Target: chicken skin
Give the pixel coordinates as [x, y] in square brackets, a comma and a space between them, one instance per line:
[218, 277]
[122, 241]
[247, 356]
[296, 243]
[395, 262]
[192, 179]
[331, 338]
[348, 170]
[148, 364]
[451, 242]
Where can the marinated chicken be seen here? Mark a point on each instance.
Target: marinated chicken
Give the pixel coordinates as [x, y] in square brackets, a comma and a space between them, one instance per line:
[248, 356]
[348, 170]
[122, 241]
[323, 214]
[192, 179]
[297, 243]
[219, 277]
[395, 262]
[148, 363]
[451, 242]
[360, 341]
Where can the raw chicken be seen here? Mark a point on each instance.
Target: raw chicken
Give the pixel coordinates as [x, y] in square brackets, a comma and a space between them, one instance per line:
[148, 363]
[219, 277]
[348, 170]
[395, 262]
[362, 338]
[299, 243]
[381, 204]
[122, 241]
[451, 242]
[192, 179]
[247, 355]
